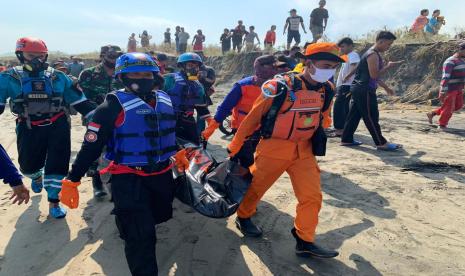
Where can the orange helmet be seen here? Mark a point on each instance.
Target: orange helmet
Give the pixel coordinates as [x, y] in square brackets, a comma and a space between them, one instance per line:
[31, 44]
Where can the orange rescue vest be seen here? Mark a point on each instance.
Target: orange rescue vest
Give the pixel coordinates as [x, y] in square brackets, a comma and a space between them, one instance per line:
[250, 93]
[299, 118]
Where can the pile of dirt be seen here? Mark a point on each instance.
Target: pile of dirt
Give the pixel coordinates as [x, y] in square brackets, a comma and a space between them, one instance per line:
[415, 81]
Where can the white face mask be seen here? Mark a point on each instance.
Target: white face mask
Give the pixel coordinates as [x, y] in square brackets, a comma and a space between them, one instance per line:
[322, 75]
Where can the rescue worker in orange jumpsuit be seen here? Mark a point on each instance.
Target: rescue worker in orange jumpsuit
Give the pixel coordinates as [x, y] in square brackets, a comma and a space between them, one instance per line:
[239, 102]
[288, 128]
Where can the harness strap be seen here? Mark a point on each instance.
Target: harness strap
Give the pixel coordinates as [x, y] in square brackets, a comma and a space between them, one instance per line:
[44, 122]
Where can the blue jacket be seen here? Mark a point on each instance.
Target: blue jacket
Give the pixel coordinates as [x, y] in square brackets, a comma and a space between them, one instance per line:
[147, 135]
[232, 99]
[8, 171]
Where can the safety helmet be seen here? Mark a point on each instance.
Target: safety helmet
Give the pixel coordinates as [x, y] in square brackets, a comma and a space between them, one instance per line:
[135, 62]
[189, 57]
[31, 44]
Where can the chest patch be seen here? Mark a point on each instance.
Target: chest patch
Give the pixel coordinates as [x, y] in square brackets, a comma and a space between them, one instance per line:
[143, 111]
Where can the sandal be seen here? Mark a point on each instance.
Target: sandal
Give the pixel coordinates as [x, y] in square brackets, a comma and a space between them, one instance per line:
[354, 143]
[390, 147]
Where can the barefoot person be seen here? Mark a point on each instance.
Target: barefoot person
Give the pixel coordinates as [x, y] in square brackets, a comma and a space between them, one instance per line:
[365, 103]
[452, 84]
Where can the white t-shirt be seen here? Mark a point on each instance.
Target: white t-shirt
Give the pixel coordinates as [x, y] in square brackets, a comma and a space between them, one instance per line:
[345, 69]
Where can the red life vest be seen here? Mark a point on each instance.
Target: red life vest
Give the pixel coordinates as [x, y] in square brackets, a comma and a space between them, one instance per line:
[250, 93]
[299, 118]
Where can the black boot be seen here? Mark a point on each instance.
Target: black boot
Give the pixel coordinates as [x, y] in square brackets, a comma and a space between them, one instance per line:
[99, 191]
[248, 228]
[307, 249]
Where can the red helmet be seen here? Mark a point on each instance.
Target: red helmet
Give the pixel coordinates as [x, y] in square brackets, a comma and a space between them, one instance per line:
[31, 44]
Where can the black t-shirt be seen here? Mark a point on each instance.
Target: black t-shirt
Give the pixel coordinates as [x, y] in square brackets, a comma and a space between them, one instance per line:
[317, 16]
[225, 39]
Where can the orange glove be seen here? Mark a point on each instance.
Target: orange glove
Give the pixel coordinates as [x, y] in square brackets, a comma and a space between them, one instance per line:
[212, 125]
[69, 194]
[181, 161]
[234, 148]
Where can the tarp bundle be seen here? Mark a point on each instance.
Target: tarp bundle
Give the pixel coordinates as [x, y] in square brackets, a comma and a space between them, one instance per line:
[213, 189]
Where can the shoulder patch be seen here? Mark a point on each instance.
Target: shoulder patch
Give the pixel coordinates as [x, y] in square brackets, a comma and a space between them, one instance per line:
[90, 136]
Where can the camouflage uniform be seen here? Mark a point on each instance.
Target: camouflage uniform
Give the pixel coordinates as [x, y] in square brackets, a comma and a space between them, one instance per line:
[96, 83]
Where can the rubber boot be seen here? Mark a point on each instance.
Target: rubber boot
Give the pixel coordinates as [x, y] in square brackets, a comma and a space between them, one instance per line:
[248, 228]
[99, 191]
[308, 249]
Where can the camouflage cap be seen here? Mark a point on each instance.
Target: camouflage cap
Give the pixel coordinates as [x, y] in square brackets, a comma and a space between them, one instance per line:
[110, 49]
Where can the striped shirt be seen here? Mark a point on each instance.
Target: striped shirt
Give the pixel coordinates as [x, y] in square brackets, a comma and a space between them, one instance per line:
[294, 22]
[453, 74]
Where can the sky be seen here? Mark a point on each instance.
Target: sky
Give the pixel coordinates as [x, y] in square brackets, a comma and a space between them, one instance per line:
[83, 26]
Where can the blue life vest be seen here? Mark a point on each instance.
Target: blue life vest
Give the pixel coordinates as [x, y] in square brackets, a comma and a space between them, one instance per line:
[37, 94]
[147, 135]
[185, 94]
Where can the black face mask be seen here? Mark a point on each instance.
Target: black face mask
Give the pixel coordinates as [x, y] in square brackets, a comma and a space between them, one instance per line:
[35, 65]
[139, 86]
[109, 64]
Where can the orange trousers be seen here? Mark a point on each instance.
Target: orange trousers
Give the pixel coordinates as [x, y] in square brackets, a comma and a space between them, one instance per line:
[305, 178]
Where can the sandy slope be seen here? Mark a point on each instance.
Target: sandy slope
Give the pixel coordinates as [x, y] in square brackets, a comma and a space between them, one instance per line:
[387, 213]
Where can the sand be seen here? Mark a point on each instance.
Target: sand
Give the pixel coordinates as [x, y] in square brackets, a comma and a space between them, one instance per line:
[387, 213]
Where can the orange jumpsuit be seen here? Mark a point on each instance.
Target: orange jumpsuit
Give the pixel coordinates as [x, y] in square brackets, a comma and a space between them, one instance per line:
[273, 157]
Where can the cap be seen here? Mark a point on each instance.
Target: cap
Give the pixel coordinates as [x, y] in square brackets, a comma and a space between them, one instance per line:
[110, 49]
[322, 51]
[269, 60]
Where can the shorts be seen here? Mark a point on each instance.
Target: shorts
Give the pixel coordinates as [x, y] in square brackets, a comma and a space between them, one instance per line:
[317, 31]
[293, 35]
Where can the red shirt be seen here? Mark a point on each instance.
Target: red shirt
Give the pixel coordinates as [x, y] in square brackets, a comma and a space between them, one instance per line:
[270, 37]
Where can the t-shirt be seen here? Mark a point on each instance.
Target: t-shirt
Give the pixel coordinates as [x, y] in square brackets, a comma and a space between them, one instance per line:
[225, 39]
[432, 27]
[317, 16]
[75, 68]
[419, 23]
[294, 22]
[167, 36]
[183, 37]
[345, 69]
[270, 37]
[250, 37]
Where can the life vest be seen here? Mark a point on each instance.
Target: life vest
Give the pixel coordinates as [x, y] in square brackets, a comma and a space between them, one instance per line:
[250, 93]
[300, 114]
[37, 96]
[147, 135]
[185, 94]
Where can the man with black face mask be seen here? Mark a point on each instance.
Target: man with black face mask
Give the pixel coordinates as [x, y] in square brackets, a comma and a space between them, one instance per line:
[137, 124]
[188, 95]
[96, 82]
[39, 96]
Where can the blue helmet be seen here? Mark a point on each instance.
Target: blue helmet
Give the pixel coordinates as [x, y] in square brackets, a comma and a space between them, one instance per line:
[135, 62]
[189, 57]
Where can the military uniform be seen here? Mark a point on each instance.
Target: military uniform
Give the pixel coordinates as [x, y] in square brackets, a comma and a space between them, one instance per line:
[96, 83]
